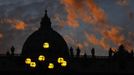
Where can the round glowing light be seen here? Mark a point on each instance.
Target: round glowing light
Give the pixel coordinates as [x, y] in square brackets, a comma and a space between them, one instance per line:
[64, 64]
[28, 61]
[46, 45]
[41, 58]
[33, 64]
[60, 60]
[51, 66]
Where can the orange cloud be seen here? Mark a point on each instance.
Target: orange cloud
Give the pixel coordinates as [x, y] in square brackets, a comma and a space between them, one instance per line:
[114, 50]
[90, 13]
[114, 35]
[71, 13]
[128, 45]
[20, 25]
[17, 24]
[84, 10]
[97, 13]
[80, 46]
[100, 42]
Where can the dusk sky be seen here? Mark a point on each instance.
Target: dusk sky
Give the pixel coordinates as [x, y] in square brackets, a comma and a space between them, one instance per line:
[85, 23]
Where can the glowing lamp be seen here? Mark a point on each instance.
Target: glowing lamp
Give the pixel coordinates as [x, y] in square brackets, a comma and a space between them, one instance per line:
[41, 58]
[51, 66]
[60, 60]
[28, 61]
[33, 64]
[46, 45]
[64, 64]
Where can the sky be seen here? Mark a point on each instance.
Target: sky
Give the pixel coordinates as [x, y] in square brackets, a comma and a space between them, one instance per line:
[99, 24]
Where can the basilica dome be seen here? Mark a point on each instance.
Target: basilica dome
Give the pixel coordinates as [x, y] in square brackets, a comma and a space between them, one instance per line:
[45, 41]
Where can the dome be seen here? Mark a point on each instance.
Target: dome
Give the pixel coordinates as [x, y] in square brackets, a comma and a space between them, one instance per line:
[45, 35]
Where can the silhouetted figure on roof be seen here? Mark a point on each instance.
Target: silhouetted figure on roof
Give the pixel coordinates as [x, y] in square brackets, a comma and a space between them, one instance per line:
[110, 52]
[85, 56]
[12, 50]
[93, 52]
[7, 53]
[71, 52]
[78, 52]
[85, 60]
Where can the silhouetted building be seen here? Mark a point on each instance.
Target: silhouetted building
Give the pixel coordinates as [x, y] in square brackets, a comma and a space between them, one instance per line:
[45, 42]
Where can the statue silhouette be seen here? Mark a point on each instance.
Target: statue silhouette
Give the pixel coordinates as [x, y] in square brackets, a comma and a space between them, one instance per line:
[7, 53]
[85, 60]
[93, 52]
[12, 50]
[110, 52]
[71, 52]
[85, 56]
[78, 52]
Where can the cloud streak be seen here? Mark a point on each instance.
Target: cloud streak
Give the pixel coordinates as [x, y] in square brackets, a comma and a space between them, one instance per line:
[17, 24]
[98, 42]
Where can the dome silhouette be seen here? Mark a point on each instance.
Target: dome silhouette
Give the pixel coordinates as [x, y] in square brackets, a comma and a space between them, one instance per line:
[45, 41]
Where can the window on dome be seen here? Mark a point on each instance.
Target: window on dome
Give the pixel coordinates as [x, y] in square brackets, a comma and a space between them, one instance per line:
[51, 66]
[46, 45]
[33, 64]
[41, 58]
[28, 61]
